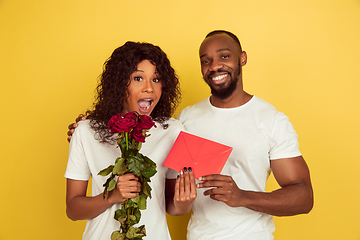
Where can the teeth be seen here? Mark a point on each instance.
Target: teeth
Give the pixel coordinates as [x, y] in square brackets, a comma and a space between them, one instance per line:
[220, 77]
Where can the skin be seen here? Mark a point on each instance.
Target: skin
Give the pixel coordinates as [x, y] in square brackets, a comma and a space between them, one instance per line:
[295, 195]
[144, 84]
[180, 193]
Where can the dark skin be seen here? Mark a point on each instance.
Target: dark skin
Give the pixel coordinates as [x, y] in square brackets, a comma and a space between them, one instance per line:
[295, 195]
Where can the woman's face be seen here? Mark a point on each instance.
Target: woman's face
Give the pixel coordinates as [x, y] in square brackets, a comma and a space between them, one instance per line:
[144, 90]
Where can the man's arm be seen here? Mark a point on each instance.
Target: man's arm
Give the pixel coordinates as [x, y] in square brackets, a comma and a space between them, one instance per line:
[294, 197]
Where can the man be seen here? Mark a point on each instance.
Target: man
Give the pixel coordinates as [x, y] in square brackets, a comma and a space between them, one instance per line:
[234, 204]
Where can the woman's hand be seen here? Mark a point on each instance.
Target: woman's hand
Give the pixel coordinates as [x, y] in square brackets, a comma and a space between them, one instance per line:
[127, 186]
[185, 191]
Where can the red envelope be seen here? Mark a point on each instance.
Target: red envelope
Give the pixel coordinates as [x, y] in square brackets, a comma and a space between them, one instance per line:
[204, 156]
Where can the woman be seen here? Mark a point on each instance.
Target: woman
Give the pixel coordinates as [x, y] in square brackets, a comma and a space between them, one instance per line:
[137, 77]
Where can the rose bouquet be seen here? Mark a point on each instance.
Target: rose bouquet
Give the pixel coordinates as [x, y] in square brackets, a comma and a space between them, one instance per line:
[131, 129]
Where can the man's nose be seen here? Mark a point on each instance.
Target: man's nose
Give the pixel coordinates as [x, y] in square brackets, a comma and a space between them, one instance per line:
[215, 65]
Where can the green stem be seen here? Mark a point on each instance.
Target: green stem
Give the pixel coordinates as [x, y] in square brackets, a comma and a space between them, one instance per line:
[127, 141]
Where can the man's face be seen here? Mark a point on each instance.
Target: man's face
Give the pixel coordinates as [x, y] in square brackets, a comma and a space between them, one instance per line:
[221, 64]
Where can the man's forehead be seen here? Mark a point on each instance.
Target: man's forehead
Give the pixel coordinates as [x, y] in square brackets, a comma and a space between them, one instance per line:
[218, 43]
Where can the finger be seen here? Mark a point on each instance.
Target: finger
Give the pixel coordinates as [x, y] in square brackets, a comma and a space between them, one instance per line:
[187, 183]
[69, 138]
[181, 186]
[193, 192]
[72, 126]
[70, 132]
[208, 184]
[128, 177]
[80, 118]
[130, 195]
[177, 189]
[215, 177]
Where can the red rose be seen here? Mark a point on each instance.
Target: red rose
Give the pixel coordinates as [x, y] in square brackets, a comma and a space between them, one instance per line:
[138, 134]
[133, 115]
[117, 124]
[146, 122]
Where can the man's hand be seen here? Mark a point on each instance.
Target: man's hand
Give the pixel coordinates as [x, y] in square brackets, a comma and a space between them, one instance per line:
[72, 127]
[295, 195]
[223, 188]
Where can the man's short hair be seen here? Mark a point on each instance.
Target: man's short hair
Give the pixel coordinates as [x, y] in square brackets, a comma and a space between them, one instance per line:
[233, 36]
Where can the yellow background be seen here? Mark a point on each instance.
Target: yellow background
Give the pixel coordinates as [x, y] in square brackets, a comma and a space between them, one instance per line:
[303, 57]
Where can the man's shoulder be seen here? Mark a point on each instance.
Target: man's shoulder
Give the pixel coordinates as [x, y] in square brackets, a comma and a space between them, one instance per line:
[197, 106]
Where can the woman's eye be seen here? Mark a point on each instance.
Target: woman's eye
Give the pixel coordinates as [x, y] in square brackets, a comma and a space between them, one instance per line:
[137, 78]
[156, 80]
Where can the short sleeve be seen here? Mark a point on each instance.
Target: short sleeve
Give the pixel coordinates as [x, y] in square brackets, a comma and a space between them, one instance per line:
[284, 141]
[77, 167]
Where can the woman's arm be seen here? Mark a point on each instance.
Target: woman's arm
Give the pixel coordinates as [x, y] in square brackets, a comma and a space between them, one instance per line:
[80, 207]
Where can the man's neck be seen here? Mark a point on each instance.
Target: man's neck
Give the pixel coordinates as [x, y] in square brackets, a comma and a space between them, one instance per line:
[236, 99]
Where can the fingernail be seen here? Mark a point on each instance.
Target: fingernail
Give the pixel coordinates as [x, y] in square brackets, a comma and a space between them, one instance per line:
[200, 178]
[190, 170]
[178, 176]
[181, 172]
[185, 169]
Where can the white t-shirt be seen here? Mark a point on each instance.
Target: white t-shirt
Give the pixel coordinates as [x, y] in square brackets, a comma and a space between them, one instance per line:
[258, 133]
[88, 156]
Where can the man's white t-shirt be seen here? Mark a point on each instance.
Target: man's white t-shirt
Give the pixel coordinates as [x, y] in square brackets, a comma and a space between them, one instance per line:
[258, 133]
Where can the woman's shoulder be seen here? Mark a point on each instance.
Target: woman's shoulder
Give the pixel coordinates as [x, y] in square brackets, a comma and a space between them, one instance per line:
[174, 124]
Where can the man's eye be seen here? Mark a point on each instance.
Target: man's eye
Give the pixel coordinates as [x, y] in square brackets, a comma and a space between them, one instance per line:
[205, 62]
[137, 78]
[225, 56]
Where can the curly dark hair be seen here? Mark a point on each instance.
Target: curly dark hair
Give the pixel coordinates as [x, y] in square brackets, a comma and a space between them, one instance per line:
[112, 88]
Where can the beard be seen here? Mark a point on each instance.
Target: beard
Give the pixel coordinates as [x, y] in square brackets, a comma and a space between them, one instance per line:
[225, 91]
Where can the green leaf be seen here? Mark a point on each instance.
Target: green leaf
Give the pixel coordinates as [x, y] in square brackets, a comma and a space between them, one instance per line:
[122, 170]
[137, 214]
[112, 185]
[122, 143]
[146, 189]
[134, 166]
[142, 230]
[117, 236]
[129, 204]
[149, 172]
[142, 202]
[106, 171]
[119, 162]
[136, 199]
[130, 152]
[117, 214]
[134, 232]
[149, 162]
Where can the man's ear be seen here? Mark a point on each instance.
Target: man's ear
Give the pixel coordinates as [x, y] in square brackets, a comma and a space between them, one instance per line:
[243, 58]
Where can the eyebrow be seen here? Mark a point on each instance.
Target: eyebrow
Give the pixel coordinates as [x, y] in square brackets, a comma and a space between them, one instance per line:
[219, 50]
[137, 70]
